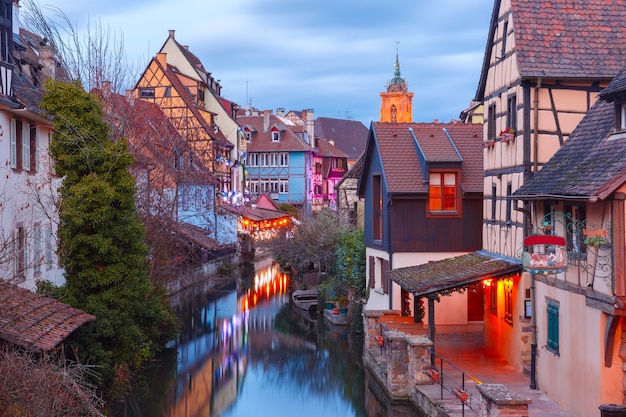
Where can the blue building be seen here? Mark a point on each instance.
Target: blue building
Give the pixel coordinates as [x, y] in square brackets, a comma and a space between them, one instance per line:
[279, 159]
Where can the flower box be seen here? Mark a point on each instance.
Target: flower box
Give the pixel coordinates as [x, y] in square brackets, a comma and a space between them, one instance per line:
[460, 392]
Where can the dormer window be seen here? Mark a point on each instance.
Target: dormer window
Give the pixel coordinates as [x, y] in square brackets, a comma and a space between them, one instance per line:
[275, 135]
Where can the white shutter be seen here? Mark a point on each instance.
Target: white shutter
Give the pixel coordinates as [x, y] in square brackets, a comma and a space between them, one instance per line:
[26, 147]
[13, 145]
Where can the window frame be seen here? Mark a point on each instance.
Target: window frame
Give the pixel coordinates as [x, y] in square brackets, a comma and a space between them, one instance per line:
[377, 208]
[443, 213]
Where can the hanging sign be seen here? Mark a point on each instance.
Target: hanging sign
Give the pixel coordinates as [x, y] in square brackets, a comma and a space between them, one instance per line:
[544, 254]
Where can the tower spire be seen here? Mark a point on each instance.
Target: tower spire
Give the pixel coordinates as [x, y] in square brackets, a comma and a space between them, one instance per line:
[396, 104]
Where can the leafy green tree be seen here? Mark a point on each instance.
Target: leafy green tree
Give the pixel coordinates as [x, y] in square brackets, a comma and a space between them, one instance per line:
[101, 240]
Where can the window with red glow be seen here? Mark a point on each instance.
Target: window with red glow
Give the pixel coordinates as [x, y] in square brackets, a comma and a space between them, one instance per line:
[443, 192]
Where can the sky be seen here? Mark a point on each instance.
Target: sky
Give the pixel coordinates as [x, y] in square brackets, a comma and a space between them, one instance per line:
[332, 56]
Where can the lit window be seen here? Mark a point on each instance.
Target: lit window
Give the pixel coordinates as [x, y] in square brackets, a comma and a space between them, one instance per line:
[443, 192]
[508, 301]
[623, 118]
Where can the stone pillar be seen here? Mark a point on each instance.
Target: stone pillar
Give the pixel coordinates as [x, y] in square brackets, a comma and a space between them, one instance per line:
[372, 328]
[498, 401]
[397, 364]
[419, 359]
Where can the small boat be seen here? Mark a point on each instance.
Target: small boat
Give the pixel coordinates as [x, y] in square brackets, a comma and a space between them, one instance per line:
[305, 299]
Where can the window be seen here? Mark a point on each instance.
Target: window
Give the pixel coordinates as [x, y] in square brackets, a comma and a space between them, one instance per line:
[384, 276]
[377, 208]
[509, 204]
[575, 224]
[34, 149]
[553, 326]
[494, 201]
[493, 296]
[318, 168]
[37, 248]
[48, 248]
[20, 251]
[284, 159]
[16, 144]
[620, 123]
[6, 39]
[511, 112]
[491, 122]
[283, 186]
[508, 301]
[147, 92]
[26, 147]
[275, 135]
[168, 91]
[443, 193]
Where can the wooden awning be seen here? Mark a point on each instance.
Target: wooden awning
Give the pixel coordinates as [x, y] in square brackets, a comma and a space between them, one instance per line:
[34, 321]
[450, 273]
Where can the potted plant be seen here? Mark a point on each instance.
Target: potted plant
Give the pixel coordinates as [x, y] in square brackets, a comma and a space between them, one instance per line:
[342, 303]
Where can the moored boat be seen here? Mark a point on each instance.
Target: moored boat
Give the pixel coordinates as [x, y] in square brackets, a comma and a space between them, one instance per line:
[305, 299]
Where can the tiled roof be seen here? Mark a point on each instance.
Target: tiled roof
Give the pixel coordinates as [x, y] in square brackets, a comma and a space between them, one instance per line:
[327, 149]
[617, 87]
[262, 139]
[349, 136]
[451, 273]
[34, 321]
[397, 144]
[589, 165]
[569, 38]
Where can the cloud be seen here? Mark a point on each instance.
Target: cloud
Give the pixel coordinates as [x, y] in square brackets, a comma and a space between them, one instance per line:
[333, 56]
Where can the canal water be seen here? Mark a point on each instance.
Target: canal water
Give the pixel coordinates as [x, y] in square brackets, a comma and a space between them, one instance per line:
[245, 351]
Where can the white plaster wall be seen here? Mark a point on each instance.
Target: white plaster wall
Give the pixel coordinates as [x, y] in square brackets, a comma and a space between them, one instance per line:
[576, 378]
[28, 200]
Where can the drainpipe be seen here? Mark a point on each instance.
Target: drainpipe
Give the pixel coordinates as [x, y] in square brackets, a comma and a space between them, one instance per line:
[533, 318]
[389, 251]
[536, 125]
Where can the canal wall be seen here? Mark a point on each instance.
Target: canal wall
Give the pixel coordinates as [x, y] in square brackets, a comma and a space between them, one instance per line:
[402, 364]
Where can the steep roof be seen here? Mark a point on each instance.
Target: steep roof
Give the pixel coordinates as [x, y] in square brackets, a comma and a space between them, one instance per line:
[34, 321]
[406, 148]
[327, 149]
[563, 39]
[349, 136]
[591, 164]
[569, 38]
[262, 138]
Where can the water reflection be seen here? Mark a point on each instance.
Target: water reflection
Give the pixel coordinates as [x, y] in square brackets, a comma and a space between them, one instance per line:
[244, 351]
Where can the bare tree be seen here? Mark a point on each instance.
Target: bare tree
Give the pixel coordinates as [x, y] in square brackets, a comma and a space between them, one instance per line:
[35, 385]
[93, 56]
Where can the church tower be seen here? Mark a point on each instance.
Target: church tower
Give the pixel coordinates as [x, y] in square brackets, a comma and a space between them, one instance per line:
[397, 106]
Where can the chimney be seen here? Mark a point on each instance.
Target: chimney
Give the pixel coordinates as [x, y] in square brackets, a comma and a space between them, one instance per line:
[308, 116]
[280, 111]
[130, 97]
[266, 119]
[172, 33]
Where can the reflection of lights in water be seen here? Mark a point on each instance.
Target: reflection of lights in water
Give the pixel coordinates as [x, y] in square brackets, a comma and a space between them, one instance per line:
[267, 283]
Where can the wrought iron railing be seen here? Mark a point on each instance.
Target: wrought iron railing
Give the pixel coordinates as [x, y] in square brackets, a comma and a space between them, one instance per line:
[455, 384]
